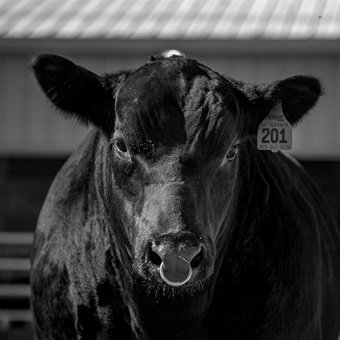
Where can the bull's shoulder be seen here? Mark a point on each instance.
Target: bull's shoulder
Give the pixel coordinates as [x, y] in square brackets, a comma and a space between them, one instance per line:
[295, 180]
[292, 174]
[70, 189]
[297, 199]
[77, 167]
[327, 227]
[300, 178]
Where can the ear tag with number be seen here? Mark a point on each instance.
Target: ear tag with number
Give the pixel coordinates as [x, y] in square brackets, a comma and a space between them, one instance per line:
[274, 132]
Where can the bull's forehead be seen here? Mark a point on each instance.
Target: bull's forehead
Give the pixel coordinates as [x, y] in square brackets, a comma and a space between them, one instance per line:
[176, 101]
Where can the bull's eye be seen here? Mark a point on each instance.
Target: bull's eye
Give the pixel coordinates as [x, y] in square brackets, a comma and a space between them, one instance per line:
[121, 146]
[231, 154]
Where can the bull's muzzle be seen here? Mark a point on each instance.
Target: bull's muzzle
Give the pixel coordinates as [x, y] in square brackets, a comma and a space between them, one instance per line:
[176, 267]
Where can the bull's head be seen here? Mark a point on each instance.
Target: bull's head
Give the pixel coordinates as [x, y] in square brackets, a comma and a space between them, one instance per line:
[175, 127]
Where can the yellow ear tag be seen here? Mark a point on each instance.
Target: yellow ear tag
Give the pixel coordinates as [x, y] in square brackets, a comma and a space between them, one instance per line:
[274, 132]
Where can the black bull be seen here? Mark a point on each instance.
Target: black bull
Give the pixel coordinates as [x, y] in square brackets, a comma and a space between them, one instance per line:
[168, 223]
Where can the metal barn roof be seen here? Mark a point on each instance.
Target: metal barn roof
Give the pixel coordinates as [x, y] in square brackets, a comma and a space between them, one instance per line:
[170, 19]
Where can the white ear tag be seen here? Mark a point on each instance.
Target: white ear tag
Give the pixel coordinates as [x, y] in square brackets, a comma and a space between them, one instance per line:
[274, 132]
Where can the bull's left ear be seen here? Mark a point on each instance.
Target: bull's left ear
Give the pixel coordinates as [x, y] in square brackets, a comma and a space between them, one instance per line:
[298, 95]
[76, 91]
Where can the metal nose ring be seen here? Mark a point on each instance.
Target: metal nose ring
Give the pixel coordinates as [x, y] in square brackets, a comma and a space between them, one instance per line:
[171, 283]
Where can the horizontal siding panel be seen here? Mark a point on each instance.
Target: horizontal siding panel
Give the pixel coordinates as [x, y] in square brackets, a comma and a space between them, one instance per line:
[17, 291]
[17, 238]
[29, 126]
[15, 264]
[15, 315]
[317, 136]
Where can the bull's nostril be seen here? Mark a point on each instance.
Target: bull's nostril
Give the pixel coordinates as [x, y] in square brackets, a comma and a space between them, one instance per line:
[195, 262]
[154, 258]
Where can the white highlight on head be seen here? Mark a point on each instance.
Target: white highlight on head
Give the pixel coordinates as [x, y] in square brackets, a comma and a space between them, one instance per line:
[170, 53]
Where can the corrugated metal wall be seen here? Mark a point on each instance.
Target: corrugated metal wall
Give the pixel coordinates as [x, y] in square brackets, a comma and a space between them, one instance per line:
[29, 126]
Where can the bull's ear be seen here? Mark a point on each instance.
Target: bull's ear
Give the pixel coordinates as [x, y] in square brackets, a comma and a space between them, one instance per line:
[75, 90]
[298, 94]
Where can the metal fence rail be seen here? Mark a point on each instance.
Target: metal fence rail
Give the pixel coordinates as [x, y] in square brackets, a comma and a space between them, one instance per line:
[15, 248]
[16, 238]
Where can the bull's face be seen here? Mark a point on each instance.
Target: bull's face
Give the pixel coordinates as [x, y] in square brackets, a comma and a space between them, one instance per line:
[174, 163]
[174, 126]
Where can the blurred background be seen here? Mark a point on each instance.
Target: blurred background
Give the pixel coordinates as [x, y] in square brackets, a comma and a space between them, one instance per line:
[255, 40]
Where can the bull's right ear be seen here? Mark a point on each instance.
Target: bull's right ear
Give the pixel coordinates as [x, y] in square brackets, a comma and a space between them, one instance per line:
[77, 91]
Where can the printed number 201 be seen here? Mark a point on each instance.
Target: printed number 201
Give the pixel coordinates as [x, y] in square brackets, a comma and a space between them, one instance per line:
[274, 135]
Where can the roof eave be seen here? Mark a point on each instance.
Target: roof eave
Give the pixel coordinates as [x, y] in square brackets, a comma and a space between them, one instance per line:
[188, 46]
